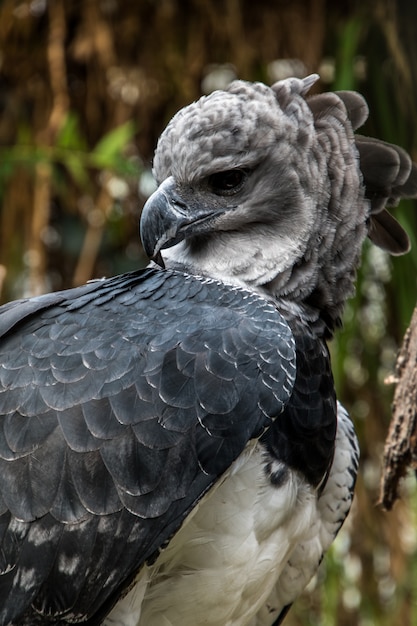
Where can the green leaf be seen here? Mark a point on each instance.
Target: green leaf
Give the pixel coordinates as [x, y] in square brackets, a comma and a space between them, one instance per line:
[69, 136]
[348, 44]
[76, 168]
[24, 135]
[126, 167]
[108, 149]
[27, 156]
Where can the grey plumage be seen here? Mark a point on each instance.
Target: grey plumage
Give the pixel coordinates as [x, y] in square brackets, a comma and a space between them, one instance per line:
[171, 447]
[314, 190]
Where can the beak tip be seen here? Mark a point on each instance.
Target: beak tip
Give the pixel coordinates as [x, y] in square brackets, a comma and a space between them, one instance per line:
[157, 258]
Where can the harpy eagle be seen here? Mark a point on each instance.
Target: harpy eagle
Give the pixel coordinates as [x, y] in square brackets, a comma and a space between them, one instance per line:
[172, 452]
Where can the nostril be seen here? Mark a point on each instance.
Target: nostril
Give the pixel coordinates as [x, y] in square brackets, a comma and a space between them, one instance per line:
[179, 205]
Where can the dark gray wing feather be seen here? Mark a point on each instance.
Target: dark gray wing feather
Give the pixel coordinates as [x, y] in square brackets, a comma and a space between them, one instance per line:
[121, 403]
[307, 427]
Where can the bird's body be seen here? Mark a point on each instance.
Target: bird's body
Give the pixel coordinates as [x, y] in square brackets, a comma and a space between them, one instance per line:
[171, 449]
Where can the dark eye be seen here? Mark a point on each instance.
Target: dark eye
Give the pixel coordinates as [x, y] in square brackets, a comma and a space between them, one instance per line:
[223, 183]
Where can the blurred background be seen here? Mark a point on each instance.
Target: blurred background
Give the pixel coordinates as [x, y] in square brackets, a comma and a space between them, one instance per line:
[85, 90]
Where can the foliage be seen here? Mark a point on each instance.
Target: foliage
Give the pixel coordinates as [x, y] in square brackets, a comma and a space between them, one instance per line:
[71, 153]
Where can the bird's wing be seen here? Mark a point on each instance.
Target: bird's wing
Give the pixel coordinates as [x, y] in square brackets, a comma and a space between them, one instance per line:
[121, 403]
[304, 438]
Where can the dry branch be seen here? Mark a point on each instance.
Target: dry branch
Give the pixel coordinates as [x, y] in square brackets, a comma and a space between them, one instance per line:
[401, 445]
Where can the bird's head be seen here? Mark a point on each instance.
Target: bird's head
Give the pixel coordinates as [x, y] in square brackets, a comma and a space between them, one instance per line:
[262, 187]
[228, 168]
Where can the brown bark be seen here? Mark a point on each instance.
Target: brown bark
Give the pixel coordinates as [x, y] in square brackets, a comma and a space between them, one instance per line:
[401, 445]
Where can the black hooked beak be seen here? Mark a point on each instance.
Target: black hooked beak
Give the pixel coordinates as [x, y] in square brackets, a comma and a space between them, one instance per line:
[162, 218]
[167, 218]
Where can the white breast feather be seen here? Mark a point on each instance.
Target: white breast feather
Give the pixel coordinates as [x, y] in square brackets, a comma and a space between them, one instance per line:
[247, 550]
[221, 566]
